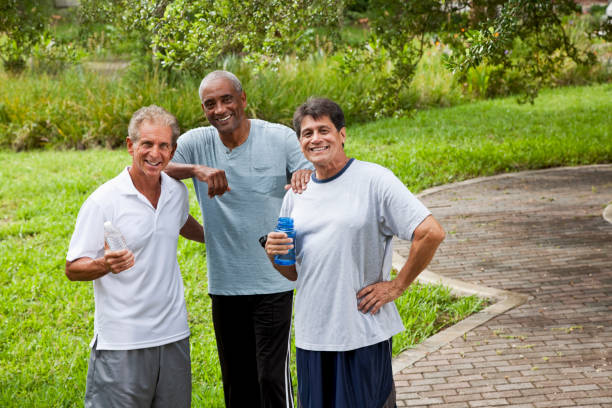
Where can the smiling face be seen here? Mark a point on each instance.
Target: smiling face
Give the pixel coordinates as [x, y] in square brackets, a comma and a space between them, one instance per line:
[322, 145]
[152, 152]
[223, 105]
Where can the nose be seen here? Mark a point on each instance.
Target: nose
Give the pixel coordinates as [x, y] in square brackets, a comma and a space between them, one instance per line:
[218, 108]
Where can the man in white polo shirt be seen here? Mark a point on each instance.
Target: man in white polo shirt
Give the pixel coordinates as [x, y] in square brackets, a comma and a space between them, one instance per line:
[140, 349]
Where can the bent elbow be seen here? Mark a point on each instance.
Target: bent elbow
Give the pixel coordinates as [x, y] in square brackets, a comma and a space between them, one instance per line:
[70, 275]
[440, 235]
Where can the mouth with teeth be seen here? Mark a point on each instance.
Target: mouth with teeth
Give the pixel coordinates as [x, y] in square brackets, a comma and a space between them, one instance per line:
[224, 119]
[319, 149]
[153, 164]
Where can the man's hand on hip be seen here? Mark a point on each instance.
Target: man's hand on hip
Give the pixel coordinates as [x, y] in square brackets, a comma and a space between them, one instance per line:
[373, 297]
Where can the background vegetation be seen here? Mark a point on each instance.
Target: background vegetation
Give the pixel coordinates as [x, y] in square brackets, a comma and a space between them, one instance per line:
[377, 58]
[389, 63]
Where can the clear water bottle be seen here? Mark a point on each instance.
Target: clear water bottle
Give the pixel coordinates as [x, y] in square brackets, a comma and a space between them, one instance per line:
[285, 224]
[113, 237]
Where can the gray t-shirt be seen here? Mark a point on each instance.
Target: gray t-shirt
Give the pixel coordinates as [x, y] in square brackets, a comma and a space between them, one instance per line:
[344, 228]
[256, 172]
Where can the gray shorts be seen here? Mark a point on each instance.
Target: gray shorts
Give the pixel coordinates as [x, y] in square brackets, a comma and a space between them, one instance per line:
[150, 377]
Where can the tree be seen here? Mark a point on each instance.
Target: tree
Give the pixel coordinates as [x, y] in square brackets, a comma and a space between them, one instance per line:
[192, 35]
[477, 32]
[21, 24]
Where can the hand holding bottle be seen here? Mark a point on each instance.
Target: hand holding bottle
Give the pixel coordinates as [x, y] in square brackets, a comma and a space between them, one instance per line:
[117, 255]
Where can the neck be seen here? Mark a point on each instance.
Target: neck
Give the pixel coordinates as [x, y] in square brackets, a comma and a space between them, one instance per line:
[238, 136]
[150, 188]
[332, 168]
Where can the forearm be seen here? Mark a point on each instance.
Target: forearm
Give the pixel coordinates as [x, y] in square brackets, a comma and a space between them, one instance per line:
[193, 230]
[86, 269]
[180, 171]
[427, 238]
[288, 272]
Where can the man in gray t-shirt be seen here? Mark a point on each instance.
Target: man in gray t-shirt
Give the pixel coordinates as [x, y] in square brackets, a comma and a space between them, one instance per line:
[345, 221]
[239, 168]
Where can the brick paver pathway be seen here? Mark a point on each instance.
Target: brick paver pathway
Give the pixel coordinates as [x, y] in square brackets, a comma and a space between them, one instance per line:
[538, 233]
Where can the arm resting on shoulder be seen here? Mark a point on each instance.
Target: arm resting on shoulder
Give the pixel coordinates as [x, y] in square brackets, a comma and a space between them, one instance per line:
[180, 171]
[276, 244]
[427, 237]
[193, 230]
[215, 178]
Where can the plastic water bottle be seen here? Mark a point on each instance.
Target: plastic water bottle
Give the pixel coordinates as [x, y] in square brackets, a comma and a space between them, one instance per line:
[285, 224]
[113, 237]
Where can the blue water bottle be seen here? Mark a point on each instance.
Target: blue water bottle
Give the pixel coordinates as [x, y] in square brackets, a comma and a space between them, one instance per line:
[285, 224]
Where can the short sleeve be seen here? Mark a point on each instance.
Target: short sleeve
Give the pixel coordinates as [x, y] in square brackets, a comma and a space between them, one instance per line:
[184, 153]
[185, 198]
[287, 206]
[400, 211]
[88, 236]
[295, 157]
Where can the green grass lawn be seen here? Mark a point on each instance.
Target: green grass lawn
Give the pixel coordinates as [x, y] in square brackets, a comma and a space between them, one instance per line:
[46, 321]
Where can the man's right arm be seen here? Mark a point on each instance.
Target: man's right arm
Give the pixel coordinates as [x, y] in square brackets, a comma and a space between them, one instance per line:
[88, 269]
[278, 243]
[215, 178]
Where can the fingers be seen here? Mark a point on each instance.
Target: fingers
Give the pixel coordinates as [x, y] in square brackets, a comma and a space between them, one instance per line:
[372, 298]
[118, 261]
[299, 180]
[215, 178]
[217, 183]
[278, 243]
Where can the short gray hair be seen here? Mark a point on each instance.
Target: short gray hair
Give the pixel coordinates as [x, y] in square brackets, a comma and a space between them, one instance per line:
[220, 74]
[153, 114]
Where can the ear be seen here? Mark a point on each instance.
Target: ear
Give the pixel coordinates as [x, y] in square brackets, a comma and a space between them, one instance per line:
[243, 99]
[130, 146]
[343, 135]
[203, 110]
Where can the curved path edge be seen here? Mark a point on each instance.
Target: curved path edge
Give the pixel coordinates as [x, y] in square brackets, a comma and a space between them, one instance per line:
[503, 301]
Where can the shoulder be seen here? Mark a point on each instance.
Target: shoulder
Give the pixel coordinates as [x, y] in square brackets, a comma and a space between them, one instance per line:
[371, 170]
[201, 134]
[274, 129]
[110, 188]
[176, 187]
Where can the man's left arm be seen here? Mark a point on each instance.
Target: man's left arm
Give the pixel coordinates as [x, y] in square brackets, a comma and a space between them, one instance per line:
[193, 230]
[427, 237]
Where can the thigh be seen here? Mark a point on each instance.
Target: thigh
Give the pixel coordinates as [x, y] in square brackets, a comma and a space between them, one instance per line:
[233, 322]
[174, 382]
[364, 377]
[316, 378]
[272, 325]
[361, 378]
[121, 378]
[272, 321]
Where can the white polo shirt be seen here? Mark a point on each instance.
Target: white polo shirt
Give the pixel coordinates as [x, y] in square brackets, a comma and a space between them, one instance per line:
[143, 306]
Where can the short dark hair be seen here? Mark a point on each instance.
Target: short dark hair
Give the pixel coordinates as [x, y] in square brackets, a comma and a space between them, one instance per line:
[317, 108]
[220, 74]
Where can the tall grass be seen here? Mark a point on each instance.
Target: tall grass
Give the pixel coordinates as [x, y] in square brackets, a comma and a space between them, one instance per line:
[80, 108]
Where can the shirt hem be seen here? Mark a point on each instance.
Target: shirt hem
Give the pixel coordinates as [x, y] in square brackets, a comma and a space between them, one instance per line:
[134, 346]
[346, 347]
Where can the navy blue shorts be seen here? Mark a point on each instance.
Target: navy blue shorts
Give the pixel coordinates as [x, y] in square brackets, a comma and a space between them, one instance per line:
[361, 378]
